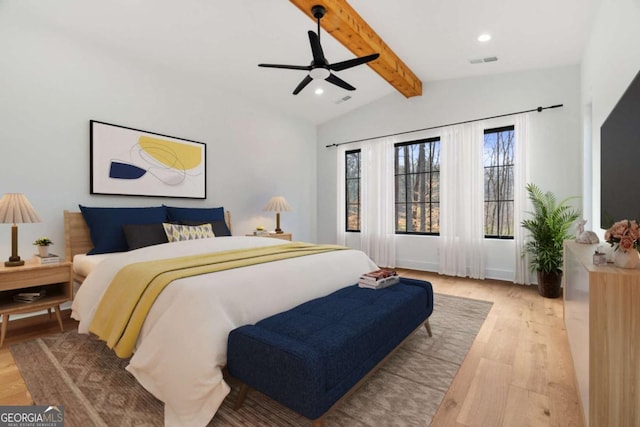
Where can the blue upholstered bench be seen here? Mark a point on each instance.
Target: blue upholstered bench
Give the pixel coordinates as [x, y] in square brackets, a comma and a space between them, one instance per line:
[311, 356]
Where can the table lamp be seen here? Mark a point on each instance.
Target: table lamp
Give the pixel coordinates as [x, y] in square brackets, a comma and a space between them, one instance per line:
[15, 209]
[277, 204]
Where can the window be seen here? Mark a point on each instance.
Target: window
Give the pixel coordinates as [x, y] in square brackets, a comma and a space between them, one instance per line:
[352, 175]
[417, 186]
[498, 182]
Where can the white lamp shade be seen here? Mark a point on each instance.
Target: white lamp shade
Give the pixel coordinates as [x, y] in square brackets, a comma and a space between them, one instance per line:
[277, 204]
[16, 209]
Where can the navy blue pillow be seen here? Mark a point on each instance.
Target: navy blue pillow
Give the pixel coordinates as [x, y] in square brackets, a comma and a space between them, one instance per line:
[195, 214]
[105, 225]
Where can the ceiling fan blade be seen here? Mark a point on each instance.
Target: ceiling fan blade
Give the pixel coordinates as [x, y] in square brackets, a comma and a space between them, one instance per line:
[339, 82]
[302, 85]
[353, 62]
[288, 67]
[316, 49]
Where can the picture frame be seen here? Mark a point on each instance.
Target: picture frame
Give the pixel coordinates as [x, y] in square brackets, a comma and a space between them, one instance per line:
[133, 162]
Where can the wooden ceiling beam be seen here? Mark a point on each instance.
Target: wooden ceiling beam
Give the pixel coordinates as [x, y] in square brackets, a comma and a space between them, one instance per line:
[346, 26]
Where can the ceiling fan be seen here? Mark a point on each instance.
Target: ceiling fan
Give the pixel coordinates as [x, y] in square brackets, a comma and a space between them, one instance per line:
[320, 68]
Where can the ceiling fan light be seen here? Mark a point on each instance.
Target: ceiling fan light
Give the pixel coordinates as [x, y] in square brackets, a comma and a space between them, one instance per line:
[319, 73]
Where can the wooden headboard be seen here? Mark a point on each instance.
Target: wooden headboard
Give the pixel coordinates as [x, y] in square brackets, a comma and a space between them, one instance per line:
[76, 235]
[77, 238]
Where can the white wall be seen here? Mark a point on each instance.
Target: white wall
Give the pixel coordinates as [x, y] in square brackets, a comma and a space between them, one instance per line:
[52, 84]
[555, 148]
[611, 60]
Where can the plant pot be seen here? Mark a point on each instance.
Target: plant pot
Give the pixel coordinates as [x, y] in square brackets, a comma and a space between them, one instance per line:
[549, 284]
[43, 251]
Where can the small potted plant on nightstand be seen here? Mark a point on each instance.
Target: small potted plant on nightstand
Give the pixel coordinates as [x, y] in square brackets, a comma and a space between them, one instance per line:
[43, 244]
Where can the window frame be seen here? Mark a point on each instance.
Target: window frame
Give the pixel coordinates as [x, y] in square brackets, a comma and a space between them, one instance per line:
[346, 191]
[497, 200]
[406, 203]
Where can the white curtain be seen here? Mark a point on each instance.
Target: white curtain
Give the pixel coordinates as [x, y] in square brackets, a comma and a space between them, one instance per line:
[377, 221]
[462, 201]
[341, 235]
[520, 198]
[461, 240]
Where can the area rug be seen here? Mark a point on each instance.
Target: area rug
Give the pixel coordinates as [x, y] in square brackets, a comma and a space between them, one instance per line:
[79, 372]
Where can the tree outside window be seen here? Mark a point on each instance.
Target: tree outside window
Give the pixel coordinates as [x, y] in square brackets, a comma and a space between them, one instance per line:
[498, 182]
[352, 174]
[417, 187]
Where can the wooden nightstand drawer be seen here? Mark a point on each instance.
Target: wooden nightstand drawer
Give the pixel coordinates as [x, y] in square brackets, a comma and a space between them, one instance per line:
[32, 274]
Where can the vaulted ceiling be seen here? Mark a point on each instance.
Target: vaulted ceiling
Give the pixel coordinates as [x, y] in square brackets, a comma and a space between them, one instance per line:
[212, 42]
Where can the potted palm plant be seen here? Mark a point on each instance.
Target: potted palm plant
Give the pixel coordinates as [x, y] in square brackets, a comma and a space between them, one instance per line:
[548, 228]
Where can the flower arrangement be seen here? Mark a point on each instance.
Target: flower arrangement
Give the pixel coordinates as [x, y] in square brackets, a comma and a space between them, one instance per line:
[43, 241]
[624, 235]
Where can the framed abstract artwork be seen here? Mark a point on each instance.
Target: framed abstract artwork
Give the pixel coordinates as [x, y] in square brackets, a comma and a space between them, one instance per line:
[134, 162]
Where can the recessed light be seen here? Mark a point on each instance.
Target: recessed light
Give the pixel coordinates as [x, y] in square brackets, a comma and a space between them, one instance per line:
[319, 91]
[484, 37]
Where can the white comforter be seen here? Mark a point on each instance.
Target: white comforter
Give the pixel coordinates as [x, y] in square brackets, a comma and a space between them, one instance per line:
[183, 343]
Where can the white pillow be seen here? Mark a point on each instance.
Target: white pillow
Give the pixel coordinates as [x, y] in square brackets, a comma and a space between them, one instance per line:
[179, 232]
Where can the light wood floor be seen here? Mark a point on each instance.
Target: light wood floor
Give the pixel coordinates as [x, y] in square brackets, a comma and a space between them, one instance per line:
[518, 371]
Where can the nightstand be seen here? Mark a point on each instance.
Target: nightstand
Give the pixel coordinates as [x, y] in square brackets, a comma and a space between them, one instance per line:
[283, 236]
[54, 279]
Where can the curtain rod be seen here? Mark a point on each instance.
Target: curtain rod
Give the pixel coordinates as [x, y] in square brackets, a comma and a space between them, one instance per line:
[539, 109]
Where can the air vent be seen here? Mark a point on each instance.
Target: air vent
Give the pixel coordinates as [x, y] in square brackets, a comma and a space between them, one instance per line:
[343, 99]
[482, 60]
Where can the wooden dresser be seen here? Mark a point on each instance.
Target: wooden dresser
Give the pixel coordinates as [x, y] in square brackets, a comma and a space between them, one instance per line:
[602, 319]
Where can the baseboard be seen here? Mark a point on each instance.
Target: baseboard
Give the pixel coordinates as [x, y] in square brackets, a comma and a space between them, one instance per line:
[418, 265]
[432, 267]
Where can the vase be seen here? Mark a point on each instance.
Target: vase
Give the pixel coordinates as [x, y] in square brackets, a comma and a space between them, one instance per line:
[43, 251]
[626, 259]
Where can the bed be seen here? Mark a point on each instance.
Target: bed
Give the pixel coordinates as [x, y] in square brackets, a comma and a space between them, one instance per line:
[181, 349]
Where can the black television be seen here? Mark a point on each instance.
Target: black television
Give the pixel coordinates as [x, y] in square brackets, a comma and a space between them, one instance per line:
[620, 159]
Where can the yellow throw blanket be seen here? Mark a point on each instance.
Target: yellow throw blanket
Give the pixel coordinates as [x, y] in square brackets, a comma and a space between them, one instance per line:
[129, 297]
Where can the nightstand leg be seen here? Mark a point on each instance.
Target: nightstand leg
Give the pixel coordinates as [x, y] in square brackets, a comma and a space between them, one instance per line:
[57, 308]
[3, 332]
[49, 311]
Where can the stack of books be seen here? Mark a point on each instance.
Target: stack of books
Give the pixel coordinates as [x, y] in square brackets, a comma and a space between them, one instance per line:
[379, 279]
[49, 259]
[29, 296]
